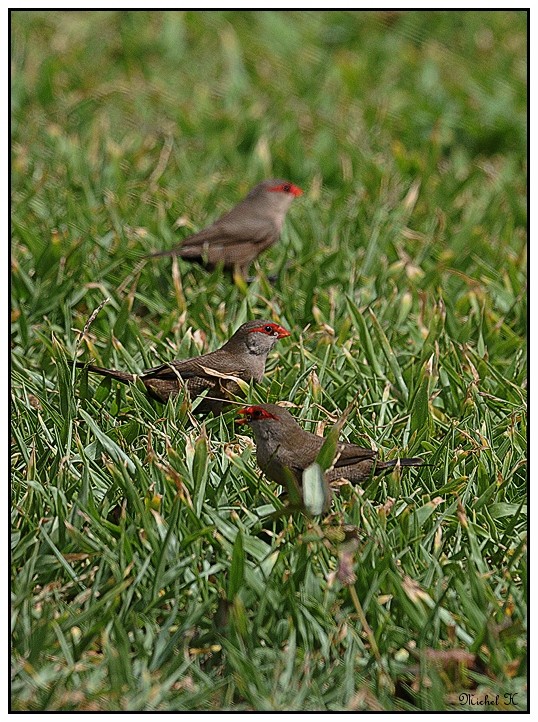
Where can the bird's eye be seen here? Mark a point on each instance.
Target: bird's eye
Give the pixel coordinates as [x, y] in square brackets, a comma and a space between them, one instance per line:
[268, 329]
[286, 188]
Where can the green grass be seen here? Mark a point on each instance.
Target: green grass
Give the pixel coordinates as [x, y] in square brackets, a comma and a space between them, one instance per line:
[140, 579]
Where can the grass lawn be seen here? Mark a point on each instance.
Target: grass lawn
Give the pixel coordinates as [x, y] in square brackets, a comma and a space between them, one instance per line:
[141, 578]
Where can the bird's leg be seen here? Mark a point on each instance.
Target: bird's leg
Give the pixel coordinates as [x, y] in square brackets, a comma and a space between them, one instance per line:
[240, 277]
[272, 278]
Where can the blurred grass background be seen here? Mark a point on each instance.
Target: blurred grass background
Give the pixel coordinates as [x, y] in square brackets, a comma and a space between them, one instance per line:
[402, 274]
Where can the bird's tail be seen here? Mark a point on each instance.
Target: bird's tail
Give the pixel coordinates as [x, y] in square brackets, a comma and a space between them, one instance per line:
[123, 376]
[194, 251]
[413, 461]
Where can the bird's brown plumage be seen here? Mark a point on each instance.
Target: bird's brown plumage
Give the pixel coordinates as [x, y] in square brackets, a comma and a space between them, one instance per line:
[242, 356]
[281, 442]
[238, 237]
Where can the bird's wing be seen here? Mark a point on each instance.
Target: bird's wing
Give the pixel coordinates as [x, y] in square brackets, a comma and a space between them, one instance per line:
[232, 228]
[200, 367]
[352, 454]
[299, 456]
[170, 371]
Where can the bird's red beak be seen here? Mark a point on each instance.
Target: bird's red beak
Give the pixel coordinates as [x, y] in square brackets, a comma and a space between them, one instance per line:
[241, 421]
[296, 191]
[282, 332]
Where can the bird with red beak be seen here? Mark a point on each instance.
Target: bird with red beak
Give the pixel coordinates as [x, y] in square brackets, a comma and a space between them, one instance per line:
[282, 444]
[242, 357]
[238, 237]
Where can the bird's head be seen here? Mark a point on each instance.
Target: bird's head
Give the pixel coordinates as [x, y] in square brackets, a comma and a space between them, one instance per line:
[270, 200]
[257, 337]
[269, 422]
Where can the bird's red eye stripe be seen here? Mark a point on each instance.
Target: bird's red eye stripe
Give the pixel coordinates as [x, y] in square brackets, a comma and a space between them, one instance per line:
[287, 188]
[253, 413]
[271, 329]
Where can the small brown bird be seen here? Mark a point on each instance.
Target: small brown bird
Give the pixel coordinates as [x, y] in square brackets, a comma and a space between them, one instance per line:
[281, 442]
[238, 237]
[243, 356]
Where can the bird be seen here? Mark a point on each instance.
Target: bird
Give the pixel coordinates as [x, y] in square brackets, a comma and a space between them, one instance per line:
[243, 356]
[281, 443]
[238, 237]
